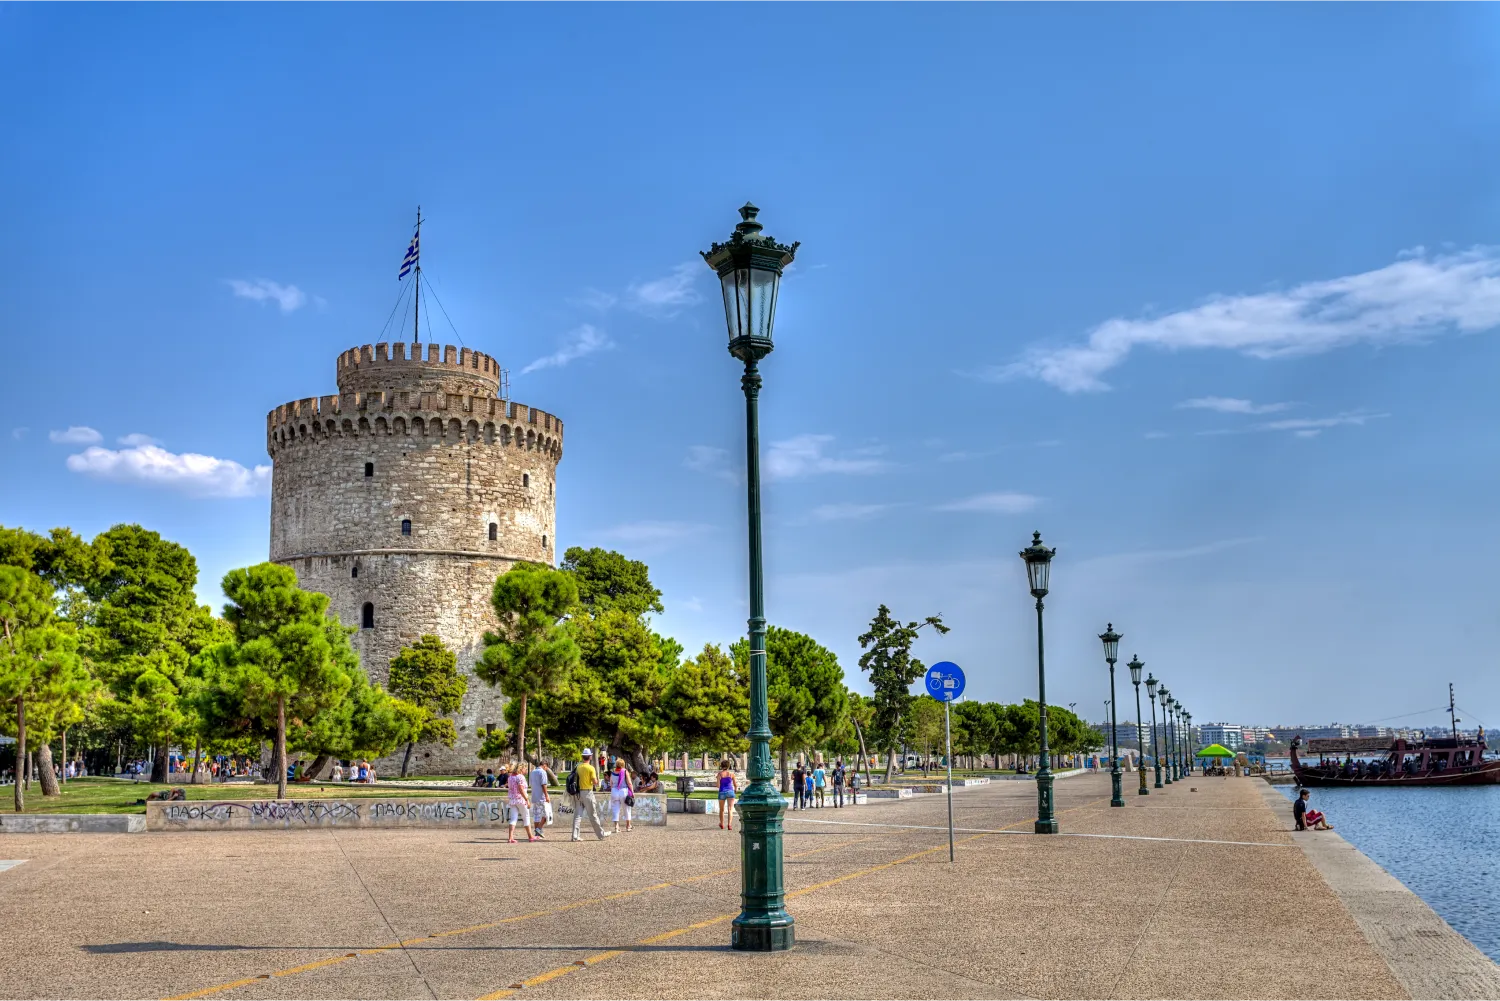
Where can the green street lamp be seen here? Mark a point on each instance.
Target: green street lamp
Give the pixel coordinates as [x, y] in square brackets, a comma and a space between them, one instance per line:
[1187, 733]
[749, 265]
[1038, 568]
[1182, 741]
[1111, 641]
[1176, 735]
[1155, 735]
[1166, 728]
[1135, 666]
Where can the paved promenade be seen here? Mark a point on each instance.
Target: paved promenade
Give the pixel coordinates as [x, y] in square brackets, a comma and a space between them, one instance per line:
[1110, 909]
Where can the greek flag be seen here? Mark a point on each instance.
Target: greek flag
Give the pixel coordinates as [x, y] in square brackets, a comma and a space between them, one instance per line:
[413, 254]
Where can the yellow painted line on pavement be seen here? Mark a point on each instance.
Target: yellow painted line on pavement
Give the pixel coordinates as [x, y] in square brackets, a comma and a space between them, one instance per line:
[376, 950]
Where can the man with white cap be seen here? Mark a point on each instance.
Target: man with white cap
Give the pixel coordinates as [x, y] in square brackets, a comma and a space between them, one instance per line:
[582, 784]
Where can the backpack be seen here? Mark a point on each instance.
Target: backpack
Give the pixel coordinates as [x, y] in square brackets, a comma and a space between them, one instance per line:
[573, 787]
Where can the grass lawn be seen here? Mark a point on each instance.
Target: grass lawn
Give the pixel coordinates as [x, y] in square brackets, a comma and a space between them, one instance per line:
[101, 795]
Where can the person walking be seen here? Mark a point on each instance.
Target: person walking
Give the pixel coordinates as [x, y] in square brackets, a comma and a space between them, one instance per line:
[729, 787]
[581, 785]
[820, 781]
[798, 774]
[518, 804]
[807, 787]
[838, 783]
[541, 799]
[621, 796]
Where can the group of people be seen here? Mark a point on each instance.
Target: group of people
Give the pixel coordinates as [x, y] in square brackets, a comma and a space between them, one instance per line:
[810, 783]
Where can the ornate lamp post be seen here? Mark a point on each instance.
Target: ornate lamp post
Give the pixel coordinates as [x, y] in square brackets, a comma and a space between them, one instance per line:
[749, 266]
[1111, 641]
[1038, 569]
[1175, 733]
[1135, 666]
[1166, 729]
[1187, 736]
[1155, 735]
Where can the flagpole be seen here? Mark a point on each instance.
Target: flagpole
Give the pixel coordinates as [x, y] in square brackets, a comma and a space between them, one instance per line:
[417, 312]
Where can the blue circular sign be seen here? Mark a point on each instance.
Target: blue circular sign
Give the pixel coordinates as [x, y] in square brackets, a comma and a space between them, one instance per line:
[945, 681]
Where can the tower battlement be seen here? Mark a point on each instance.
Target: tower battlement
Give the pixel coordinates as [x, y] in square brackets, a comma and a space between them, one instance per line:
[421, 415]
[439, 368]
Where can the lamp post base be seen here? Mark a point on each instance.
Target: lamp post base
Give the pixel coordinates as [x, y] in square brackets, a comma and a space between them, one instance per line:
[1046, 820]
[1046, 826]
[763, 935]
[1143, 791]
[1116, 798]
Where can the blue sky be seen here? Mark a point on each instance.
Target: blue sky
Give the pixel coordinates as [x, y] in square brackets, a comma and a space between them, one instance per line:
[1207, 294]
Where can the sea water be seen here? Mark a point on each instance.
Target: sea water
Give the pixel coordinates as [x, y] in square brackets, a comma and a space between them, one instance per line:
[1444, 844]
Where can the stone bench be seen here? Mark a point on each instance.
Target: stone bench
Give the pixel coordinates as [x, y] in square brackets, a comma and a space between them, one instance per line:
[67, 823]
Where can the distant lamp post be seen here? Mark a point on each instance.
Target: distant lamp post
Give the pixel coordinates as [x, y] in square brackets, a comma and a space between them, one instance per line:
[1135, 666]
[1155, 737]
[749, 265]
[1038, 569]
[1174, 732]
[1166, 729]
[1111, 641]
[1187, 736]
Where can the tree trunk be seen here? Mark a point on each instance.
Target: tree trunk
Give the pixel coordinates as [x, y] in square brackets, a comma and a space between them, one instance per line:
[159, 764]
[890, 766]
[786, 776]
[310, 773]
[44, 771]
[20, 752]
[278, 759]
[406, 761]
[521, 731]
[65, 756]
[197, 757]
[539, 758]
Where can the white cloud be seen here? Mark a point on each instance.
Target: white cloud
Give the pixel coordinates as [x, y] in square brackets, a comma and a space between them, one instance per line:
[193, 474]
[711, 460]
[288, 297]
[1156, 434]
[138, 439]
[1164, 555]
[995, 503]
[668, 296]
[584, 340]
[75, 436]
[593, 298]
[1300, 425]
[1228, 405]
[848, 512]
[18, 433]
[692, 605]
[1416, 298]
[656, 535]
[803, 456]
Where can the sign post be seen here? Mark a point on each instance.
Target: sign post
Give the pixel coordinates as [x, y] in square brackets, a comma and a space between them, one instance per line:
[945, 682]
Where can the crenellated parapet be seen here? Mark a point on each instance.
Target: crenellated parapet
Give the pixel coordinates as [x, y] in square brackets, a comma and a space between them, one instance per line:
[442, 368]
[433, 416]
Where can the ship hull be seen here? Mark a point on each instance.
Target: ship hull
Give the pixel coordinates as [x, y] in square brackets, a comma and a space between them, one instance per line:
[1485, 773]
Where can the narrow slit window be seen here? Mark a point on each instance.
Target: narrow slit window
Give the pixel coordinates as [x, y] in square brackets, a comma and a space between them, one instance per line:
[544, 542]
[369, 470]
[367, 616]
[494, 531]
[355, 571]
[525, 479]
[405, 526]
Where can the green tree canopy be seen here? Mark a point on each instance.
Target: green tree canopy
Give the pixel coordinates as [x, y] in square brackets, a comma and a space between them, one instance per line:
[607, 581]
[807, 699]
[708, 702]
[533, 652]
[893, 670]
[426, 675]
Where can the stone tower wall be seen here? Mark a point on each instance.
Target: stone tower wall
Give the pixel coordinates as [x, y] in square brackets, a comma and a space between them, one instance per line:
[452, 464]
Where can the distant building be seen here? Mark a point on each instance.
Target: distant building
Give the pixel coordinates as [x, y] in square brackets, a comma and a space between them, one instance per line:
[1257, 734]
[1231, 735]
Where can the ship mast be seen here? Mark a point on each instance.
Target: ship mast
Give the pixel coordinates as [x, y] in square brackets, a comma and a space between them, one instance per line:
[1451, 715]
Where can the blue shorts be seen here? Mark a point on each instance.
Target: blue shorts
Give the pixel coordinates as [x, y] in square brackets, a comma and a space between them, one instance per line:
[726, 794]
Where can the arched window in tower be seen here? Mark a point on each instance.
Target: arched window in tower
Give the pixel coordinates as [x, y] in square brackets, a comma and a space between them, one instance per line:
[355, 571]
[367, 616]
[405, 526]
[369, 470]
[494, 531]
[544, 542]
[525, 479]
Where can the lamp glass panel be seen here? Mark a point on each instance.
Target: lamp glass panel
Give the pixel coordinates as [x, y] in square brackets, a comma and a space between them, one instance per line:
[1038, 572]
[1135, 672]
[736, 288]
[1111, 649]
[764, 284]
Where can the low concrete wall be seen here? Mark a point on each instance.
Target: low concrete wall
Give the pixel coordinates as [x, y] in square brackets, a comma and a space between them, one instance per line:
[65, 823]
[283, 814]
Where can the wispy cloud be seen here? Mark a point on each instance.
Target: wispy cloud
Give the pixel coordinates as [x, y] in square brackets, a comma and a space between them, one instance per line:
[669, 295]
[691, 605]
[18, 433]
[848, 512]
[656, 535]
[137, 439]
[963, 455]
[592, 298]
[711, 460]
[1003, 502]
[187, 472]
[1304, 427]
[289, 297]
[1156, 434]
[1417, 297]
[75, 436]
[586, 339]
[1229, 405]
[1164, 555]
[805, 455]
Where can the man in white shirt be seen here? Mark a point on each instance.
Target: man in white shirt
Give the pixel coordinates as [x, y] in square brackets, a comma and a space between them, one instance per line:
[541, 799]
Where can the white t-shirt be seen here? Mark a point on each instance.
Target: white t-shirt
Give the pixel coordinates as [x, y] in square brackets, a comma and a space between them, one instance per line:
[538, 784]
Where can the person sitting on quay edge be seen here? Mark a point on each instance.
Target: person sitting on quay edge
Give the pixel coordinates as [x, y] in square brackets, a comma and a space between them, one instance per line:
[1306, 818]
